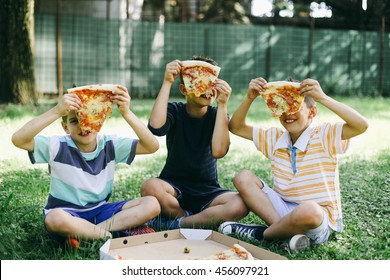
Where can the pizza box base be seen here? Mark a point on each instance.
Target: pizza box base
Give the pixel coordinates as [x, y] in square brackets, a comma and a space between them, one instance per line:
[169, 245]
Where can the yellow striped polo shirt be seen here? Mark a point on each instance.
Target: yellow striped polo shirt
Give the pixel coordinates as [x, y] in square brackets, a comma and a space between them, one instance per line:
[317, 177]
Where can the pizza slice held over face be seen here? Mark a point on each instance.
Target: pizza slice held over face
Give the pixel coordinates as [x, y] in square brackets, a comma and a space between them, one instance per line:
[283, 97]
[236, 252]
[97, 105]
[199, 77]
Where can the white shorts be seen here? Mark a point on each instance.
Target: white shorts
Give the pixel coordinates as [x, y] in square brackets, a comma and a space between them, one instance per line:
[282, 207]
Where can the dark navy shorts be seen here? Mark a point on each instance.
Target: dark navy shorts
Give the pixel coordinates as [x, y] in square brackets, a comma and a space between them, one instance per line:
[94, 216]
[195, 197]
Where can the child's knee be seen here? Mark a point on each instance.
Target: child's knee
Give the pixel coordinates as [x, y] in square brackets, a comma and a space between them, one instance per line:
[309, 213]
[244, 179]
[150, 187]
[151, 203]
[237, 208]
[56, 220]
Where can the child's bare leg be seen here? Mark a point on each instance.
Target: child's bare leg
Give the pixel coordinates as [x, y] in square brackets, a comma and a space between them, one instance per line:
[250, 188]
[226, 207]
[134, 213]
[64, 224]
[306, 216]
[166, 196]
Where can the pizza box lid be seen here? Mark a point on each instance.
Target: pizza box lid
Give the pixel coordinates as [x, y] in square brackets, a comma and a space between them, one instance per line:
[169, 245]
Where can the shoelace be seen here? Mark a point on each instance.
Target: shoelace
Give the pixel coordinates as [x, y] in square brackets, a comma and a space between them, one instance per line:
[245, 232]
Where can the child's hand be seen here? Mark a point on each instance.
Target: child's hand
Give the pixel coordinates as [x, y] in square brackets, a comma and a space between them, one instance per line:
[69, 102]
[172, 71]
[256, 86]
[223, 91]
[312, 87]
[122, 99]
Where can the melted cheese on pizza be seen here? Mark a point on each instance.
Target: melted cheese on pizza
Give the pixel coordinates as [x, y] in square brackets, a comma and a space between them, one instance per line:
[97, 106]
[199, 80]
[283, 97]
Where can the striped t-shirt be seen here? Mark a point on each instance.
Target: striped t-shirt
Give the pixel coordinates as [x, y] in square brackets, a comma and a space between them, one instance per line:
[81, 181]
[316, 178]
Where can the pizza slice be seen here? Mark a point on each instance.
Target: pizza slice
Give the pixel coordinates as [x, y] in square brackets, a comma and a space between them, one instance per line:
[236, 252]
[199, 77]
[283, 97]
[97, 105]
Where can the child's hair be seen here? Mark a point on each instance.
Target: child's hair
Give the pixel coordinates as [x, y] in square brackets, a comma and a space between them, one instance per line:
[201, 58]
[65, 118]
[308, 99]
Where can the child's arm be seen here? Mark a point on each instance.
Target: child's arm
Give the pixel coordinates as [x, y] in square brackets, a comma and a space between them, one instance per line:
[238, 124]
[355, 123]
[158, 116]
[147, 144]
[221, 140]
[24, 137]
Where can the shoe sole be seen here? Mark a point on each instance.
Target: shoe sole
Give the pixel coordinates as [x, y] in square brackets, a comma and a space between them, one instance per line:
[299, 243]
[223, 225]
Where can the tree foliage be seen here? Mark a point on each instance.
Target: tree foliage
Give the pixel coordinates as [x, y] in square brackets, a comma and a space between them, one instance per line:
[346, 14]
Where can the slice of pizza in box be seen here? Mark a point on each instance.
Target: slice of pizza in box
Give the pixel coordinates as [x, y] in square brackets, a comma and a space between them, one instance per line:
[183, 244]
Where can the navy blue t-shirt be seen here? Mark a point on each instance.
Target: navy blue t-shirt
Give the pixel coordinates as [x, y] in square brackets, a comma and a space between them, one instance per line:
[188, 141]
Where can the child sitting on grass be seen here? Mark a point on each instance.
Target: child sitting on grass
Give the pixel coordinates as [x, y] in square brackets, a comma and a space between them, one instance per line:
[304, 203]
[82, 172]
[197, 135]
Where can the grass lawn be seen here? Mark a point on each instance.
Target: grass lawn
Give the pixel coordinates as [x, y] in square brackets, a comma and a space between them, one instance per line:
[364, 176]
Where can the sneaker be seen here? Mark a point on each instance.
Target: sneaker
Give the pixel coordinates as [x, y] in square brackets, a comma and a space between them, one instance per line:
[128, 232]
[160, 223]
[141, 230]
[299, 243]
[241, 230]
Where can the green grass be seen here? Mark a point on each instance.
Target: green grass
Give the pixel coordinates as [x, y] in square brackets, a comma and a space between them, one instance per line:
[364, 176]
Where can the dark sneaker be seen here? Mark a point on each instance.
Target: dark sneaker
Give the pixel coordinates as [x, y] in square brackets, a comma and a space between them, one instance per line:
[161, 223]
[241, 230]
[299, 243]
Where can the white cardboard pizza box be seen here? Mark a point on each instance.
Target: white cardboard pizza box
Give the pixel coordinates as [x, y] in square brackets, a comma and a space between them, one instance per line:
[169, 245]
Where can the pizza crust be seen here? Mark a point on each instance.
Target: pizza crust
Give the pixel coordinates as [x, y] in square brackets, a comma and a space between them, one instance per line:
[283, 97]
[189, 63]
[105, 87]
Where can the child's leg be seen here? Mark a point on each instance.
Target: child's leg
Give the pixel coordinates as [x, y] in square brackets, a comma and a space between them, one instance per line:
[228, 206]
[62, 223]
[250, 188]
[134, 213]
[166, 196]
[304, 217]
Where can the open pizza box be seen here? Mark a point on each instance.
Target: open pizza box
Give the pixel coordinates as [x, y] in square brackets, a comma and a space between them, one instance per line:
[170, 245]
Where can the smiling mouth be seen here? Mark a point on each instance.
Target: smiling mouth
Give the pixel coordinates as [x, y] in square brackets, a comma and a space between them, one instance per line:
[85, 133]
[289, 120]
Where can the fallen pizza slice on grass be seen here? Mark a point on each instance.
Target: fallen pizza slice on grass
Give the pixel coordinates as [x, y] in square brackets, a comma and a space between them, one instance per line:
[199, 77]
[283, 97]
[97, 105]
[236, 252]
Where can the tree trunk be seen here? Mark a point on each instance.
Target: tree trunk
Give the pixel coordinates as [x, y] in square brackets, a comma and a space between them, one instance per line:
[17, 80]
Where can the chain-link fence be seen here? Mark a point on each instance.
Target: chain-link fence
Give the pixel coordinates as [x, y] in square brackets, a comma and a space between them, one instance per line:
[80, 50]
